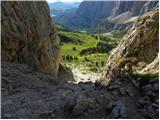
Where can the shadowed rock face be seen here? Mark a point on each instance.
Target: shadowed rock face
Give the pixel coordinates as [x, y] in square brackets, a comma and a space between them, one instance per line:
[95, 9]
[28, 36]
[137, 51]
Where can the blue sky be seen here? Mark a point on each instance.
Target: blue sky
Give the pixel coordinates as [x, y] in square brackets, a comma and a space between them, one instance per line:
[89, 0]
[51, 1]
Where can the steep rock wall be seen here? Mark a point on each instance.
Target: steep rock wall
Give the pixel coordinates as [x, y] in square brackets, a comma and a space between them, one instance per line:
[28, 35]
[137, 51]
[122, 6]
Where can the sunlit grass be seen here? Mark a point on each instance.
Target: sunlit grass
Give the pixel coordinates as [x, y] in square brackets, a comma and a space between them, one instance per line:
[74, 42]
[87, 41]
[94, 61]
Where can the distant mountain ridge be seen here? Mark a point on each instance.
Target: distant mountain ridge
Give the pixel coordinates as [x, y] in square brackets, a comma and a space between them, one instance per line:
[60, 8]
[105, 14]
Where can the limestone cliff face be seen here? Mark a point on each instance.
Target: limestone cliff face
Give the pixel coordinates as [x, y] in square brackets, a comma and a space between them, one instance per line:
[91, 10]
[28, 35]
[122, 6]
[92, 14]
[138, 51]
[148, 6]
[88, 14]
[125, 13]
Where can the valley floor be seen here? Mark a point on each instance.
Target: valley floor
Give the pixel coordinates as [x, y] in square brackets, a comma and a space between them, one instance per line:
[27, 93]
[82, 73]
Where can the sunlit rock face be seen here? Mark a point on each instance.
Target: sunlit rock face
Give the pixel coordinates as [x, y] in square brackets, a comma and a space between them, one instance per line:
[28, 35]
[138, 51]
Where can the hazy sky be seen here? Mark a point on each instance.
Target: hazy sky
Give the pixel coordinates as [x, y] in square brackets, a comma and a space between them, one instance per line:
[64, 0]
[91, 0]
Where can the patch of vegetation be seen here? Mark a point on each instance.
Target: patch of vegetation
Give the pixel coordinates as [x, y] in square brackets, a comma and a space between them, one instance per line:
[60, 27]
[70, 37]
[73, 43]
[110, 38]
[119, 34]
[101, 47]
[90, 50]
[144, 76]
[105, 38]
[117, 58]
[93, 61]
[94, 69]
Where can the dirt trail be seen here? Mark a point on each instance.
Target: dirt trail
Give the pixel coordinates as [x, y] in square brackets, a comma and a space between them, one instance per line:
[85, 77]
[82, 74]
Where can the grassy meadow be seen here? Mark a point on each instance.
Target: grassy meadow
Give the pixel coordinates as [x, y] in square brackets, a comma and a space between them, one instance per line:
[82, 49]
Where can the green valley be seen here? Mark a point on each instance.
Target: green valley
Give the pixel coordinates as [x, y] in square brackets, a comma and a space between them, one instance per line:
[79, 48]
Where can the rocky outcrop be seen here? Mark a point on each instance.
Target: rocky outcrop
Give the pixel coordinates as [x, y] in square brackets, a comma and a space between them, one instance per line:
[137, 50]
[28, 35]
